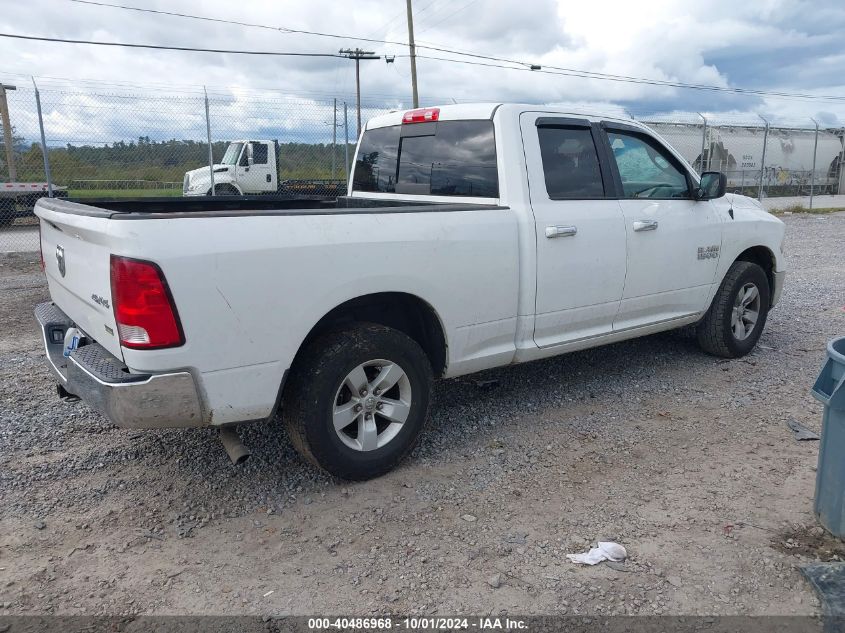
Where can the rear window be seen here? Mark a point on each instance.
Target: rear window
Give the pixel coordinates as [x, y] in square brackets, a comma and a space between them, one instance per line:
[447, 158]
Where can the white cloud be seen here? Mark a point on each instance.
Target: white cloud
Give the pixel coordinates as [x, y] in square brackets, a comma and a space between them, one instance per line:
[718, 42]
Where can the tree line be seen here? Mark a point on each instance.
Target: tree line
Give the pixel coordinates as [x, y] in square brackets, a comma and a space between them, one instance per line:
[163, 161]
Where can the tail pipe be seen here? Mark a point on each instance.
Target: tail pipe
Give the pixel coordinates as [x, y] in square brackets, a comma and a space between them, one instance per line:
[237, 452]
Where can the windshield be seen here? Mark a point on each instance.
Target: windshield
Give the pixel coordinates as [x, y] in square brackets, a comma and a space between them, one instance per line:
[232, 153]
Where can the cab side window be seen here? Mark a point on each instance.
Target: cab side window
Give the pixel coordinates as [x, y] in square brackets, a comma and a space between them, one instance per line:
[570, 163]
[646, 170]
[259, 153]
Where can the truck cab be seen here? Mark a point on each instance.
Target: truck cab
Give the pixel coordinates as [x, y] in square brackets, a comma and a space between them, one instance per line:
[248, 167]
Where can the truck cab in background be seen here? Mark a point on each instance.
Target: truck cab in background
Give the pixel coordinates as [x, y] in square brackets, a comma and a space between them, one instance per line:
[248, 167]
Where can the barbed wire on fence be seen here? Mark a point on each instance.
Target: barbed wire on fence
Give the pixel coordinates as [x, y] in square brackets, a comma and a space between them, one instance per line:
[120, 140]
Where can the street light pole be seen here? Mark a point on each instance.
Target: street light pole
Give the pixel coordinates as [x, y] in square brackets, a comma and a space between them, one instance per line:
[358, 55]
[413, 48]
[7, 132]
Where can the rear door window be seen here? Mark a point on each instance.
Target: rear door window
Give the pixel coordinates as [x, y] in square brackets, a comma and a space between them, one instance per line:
[448, 158]
[570, 163]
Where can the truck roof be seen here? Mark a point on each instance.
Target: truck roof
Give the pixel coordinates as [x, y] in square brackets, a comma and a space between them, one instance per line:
[463, 111]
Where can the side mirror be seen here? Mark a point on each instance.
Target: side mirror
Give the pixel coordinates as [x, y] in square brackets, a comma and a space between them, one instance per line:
[249, 156]
[712, 185]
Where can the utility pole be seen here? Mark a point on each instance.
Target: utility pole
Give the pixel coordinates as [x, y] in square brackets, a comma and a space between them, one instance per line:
[358, 55]
[413, 48]
[7, 132]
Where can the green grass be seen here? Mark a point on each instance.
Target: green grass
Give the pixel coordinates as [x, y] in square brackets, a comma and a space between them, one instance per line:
[800, 208]
[124, 193]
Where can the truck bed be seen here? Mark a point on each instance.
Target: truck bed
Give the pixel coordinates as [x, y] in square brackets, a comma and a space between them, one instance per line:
[250, 278]
[228, 206]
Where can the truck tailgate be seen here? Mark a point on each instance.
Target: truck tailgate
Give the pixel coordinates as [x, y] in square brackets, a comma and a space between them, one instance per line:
[77, 257]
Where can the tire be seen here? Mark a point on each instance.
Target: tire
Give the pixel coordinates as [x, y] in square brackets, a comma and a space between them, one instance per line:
[319, 390]
[721, 330]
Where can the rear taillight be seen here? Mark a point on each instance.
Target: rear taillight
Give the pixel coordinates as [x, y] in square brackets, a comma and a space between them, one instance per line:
[421, 115]
[143, 306]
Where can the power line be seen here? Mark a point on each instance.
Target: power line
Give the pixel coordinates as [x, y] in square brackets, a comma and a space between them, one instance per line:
[566, 71]
[534, 67]
[426, 8]
[455, 12]
[284, 29]
[384, 26]
[190, 89]
[167, 48]
[548, 70]
[553, 70]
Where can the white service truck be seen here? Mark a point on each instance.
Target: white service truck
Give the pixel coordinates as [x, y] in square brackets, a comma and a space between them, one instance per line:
[472, 236]
[251, 167]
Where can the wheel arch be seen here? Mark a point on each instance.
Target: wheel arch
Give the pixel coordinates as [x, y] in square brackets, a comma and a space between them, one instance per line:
[402, 311]
[763, 257]
[238, 190]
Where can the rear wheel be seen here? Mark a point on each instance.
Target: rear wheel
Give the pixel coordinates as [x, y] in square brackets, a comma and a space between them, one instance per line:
[357, 400]
[737, 316]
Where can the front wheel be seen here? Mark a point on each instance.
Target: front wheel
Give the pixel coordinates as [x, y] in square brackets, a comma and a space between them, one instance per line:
[737, 316]
[357, 400]
[224, 190]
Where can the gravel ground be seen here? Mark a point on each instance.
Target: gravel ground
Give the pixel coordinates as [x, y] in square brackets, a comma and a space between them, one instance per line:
[683, 458]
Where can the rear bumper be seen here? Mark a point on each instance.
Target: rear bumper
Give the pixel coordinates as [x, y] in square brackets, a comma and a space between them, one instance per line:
[777, 291]
[141, 401]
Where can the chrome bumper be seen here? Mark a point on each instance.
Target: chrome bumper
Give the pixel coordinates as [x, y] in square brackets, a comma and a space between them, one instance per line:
[777, 291]
[140, 401]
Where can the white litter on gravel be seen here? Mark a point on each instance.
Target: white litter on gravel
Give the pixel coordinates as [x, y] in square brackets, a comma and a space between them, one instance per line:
[606, 550]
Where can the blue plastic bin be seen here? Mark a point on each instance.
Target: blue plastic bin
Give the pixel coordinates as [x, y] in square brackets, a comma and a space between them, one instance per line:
[830, 477]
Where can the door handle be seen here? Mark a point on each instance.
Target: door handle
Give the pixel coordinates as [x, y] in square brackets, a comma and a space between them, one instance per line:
[560, 231]
[645, 225]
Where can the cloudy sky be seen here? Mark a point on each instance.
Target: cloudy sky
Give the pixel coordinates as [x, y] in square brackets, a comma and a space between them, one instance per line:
[773, 45]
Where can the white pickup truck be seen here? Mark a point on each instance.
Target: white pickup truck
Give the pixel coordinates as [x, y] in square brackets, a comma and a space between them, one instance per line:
[472, 236]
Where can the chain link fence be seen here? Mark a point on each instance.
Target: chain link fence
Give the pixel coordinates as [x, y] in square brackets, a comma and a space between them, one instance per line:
[130, 141]
[123, 143]
[760, 159]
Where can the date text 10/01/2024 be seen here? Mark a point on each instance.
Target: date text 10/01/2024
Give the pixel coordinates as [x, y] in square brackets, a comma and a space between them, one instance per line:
[418, 624]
